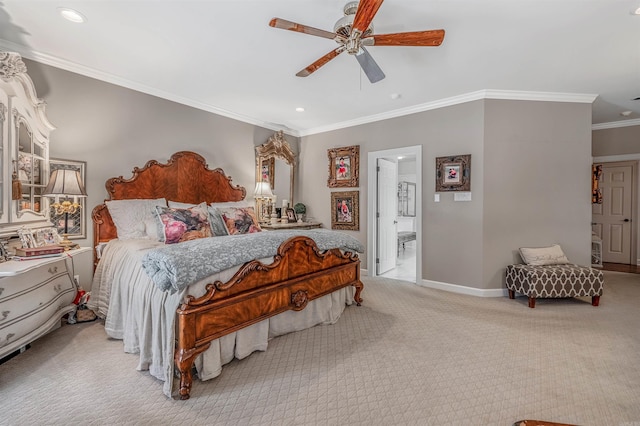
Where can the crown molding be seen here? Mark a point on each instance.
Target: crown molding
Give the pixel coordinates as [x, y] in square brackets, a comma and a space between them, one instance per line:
[139, 87]
[441, 103]
[616, 124]
[456, 100]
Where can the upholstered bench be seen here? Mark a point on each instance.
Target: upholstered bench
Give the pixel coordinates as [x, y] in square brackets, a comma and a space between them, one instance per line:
[551, 281]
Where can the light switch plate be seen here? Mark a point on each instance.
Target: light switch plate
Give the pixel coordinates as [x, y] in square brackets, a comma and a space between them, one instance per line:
[462, 196]
[436, 198]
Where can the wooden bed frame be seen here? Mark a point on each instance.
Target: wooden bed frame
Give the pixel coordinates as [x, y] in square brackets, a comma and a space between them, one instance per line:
[300, 271]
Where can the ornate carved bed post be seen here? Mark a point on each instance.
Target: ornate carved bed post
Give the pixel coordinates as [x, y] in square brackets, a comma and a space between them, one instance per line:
[186, 349]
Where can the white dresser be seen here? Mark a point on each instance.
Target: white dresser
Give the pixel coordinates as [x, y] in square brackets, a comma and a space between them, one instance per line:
[35, 295]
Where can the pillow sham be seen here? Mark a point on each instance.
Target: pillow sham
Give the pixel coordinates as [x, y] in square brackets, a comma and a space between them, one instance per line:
[240, 220]
[180, 225]
[179, 205]
[538, 256]
[227, 204]
[130, 216]
[218, 228]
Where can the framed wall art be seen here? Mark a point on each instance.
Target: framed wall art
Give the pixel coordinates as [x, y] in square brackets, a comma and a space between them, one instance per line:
[344, 166]
[77, 220]
[345, 210]
[453, 173]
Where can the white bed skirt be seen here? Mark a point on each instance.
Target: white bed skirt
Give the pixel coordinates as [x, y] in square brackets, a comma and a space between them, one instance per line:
[143, 316]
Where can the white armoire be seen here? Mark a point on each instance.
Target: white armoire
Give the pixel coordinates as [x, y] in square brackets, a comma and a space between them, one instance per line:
[36, 293]
[24, 148]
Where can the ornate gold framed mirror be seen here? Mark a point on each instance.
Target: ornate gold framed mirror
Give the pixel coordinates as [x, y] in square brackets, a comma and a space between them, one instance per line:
[275, 164]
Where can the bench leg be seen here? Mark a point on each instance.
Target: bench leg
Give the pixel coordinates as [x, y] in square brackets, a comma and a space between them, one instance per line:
[532, 302]
[512, 294]
[595, 300]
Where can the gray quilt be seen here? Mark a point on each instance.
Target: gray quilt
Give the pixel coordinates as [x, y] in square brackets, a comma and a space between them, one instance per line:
[176, 266]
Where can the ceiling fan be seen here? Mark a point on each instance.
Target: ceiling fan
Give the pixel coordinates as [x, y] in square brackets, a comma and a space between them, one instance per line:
[354, 31]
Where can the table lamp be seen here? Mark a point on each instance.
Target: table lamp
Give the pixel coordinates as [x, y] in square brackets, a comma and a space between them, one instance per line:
[262, 194]
[65, 184]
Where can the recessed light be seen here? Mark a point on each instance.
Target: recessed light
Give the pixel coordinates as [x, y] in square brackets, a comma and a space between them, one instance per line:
[395, 96]
[400, 157]
[626, 113]
[300, 109]
[72, 15]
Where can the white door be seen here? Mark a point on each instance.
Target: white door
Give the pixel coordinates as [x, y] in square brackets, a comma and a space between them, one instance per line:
[612, 219]
[387, 212]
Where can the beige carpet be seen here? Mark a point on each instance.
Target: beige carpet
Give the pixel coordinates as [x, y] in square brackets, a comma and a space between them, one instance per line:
[409, 355]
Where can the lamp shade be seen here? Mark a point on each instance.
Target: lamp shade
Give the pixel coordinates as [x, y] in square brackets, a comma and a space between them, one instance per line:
[263, 190]
[65, 182]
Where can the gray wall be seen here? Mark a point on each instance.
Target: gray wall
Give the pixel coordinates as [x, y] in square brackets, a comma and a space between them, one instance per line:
[114, 129]
[514, 203]
[616, 141]
[536, 182]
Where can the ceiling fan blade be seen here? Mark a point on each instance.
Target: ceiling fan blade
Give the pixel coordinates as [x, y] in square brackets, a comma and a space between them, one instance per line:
[320, 62]
[369, 66]
[292, 26]
[367, 9]
[416, 38]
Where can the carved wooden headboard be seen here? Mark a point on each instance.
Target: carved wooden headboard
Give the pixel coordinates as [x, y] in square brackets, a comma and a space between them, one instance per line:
[185, 178]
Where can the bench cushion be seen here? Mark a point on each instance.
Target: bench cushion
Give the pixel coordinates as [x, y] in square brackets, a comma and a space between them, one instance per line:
[550, 281]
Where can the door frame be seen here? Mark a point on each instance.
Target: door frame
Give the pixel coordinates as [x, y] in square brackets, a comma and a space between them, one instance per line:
[372, 202]
[635, 197]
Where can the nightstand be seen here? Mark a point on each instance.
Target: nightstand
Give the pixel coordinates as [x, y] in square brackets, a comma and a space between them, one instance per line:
[291, 225]
[36, 294]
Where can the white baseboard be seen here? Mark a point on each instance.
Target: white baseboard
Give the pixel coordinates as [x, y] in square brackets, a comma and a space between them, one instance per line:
[471, 291]
[455, 288]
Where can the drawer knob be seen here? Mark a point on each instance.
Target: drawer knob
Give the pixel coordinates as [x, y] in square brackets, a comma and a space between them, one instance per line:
[1, 290]
[5, 314]
[53, 270]
[58, 288]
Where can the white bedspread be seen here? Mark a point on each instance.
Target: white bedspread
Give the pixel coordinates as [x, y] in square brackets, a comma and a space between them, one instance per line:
[143, 316]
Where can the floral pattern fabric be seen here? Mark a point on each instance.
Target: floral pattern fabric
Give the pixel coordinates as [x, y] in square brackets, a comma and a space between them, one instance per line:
[179, 225]
[240, 220]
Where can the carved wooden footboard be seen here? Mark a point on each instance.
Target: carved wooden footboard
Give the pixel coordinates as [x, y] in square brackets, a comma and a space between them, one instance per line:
[300, 273]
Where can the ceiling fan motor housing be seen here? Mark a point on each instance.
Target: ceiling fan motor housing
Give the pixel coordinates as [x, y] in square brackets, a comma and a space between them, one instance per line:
[343, 25]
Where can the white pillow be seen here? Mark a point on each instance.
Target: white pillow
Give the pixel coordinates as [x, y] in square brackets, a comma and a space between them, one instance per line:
[131, 216]
[227, 204]
[179, 205]
[538, 256]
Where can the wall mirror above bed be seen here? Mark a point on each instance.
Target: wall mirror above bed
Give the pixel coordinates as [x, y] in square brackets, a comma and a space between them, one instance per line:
[275, 163]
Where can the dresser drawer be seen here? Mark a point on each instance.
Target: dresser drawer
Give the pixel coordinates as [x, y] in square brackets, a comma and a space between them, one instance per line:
[31, 299]
[40, 297]
[27, 311]
[26, 282]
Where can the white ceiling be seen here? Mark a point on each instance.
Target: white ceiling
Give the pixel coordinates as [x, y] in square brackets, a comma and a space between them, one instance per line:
[222, 56]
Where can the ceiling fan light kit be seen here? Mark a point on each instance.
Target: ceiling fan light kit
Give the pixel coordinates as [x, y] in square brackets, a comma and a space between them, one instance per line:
[354, 31]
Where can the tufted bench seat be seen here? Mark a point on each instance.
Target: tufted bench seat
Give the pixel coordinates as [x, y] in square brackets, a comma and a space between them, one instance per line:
[550, 281]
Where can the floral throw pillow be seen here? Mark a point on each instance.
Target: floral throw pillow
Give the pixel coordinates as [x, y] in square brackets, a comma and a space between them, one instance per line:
[240, 220]
[180, 225]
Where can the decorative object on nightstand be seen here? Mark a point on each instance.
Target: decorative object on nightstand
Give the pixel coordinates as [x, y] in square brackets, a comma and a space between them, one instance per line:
[263, 195]
[65, 184]
[301, 211]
